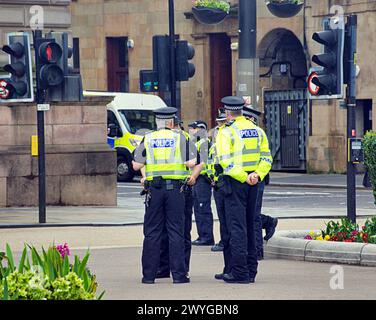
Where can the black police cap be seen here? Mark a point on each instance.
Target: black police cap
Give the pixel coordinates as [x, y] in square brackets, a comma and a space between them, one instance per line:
[165, 113]
[193, 125]
[248, 111]
[232, 103]
[201, 124]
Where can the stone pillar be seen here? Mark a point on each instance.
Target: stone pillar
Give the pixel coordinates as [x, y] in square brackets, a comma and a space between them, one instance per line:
[80, 166]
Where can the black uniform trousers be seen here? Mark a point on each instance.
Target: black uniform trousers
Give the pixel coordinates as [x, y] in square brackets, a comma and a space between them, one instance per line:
[220, 203]
[240, 216]
[202, 192]
[165, 211]
[164, 265]
[259, 219]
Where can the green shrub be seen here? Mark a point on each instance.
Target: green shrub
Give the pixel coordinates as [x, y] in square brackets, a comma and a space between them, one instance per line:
[46, 276]
[369, 145]
[216, 4]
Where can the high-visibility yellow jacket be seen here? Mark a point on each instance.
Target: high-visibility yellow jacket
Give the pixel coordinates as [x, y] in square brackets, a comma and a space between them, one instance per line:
[163, 155]
[242, 148]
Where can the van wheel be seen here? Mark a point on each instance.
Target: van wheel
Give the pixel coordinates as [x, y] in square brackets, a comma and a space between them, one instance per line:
[125, 171]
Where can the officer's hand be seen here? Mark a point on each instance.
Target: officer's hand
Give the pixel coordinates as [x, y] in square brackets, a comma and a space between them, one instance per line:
[252, 179]
[142, 181]
[191, 180]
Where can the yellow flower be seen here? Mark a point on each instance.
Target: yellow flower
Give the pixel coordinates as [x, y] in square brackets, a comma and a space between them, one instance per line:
[319, 238]
[312, 233]
[327, 237]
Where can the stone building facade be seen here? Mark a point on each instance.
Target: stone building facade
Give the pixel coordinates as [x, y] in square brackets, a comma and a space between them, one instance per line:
[80, 166]
[96, 22]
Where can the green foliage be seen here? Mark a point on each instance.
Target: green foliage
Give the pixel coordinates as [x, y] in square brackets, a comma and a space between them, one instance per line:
[215, 4]
[48, 275]
[369, 145]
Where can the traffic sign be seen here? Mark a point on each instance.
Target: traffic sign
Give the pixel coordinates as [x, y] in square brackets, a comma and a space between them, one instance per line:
[4, 92]
[312, 88]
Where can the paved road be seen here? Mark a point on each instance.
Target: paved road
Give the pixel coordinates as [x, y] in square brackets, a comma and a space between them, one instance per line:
[284, 201]
[119, 273]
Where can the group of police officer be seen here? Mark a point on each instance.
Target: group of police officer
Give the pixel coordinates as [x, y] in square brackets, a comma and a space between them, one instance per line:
[234, 163]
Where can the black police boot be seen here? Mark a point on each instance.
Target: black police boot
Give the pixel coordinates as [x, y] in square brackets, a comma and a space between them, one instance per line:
[218, 276]
[270, 229]
[146, 281]
[217, 247]
[200, 242]
[229, 278]
[182, 280]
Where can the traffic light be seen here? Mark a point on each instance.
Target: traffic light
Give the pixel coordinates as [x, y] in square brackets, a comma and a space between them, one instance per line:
[161, 61]
[149, 81]
[183, 53]
[18, 87]
[48, 63]
[71, 87]
[329, 79]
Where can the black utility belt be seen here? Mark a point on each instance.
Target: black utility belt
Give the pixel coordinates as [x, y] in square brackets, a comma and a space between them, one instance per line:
[159, 182]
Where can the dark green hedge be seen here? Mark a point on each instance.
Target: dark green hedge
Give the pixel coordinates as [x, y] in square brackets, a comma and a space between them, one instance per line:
[369, 144]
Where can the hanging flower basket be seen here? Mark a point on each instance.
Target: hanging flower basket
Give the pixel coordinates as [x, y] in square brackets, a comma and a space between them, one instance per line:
[207, 15]
[285, 8]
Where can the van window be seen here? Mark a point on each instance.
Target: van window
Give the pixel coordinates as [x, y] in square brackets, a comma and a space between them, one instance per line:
[139, 121]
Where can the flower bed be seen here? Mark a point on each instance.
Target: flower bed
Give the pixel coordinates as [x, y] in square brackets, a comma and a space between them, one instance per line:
[346, 231]
[46, 276]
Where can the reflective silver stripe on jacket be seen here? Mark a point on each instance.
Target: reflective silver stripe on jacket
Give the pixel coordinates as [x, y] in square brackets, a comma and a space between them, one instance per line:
[166, 173]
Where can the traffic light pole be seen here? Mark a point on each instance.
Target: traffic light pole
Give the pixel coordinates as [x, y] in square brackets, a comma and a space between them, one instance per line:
[351, 105]
[40, 99]
[171, 24]
[247, 73]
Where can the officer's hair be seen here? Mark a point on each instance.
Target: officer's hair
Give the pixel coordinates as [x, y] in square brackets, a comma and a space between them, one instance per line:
[235, 113]
[164, 123]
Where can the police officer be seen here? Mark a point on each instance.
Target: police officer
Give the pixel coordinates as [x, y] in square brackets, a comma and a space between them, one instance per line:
[218, 198]
[242, 150]
[164, 265]
[261, 221]
[165, 155]
[202, 190]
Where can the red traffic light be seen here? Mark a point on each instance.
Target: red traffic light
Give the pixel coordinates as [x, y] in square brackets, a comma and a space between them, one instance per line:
[50, 52]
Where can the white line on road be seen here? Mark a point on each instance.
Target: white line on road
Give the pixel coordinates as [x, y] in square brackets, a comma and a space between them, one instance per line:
[297, 193]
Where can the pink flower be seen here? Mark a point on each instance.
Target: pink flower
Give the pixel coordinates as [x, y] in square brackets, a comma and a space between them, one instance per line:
[308, 237]
[63, 249]
[354, 233]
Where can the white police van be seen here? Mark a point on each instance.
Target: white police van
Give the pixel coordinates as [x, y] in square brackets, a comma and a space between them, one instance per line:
[129, 117]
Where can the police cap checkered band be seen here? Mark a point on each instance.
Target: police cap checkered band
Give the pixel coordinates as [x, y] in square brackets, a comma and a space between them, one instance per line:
[233, 108]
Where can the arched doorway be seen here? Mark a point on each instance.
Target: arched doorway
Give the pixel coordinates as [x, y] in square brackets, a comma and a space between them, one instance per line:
[283, 74]
[282, 60]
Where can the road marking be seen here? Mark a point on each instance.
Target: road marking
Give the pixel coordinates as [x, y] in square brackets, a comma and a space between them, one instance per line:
[129, 186]
[297, 193]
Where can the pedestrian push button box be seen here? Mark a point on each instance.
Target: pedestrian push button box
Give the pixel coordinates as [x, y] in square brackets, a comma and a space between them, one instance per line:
[356, 154]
